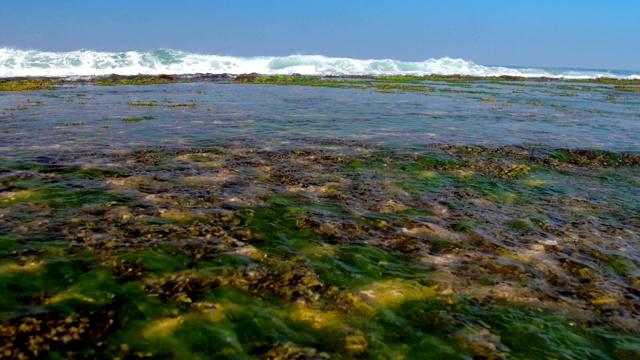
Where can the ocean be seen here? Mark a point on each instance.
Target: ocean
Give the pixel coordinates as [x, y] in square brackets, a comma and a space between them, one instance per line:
[172, 205]
[16, 63]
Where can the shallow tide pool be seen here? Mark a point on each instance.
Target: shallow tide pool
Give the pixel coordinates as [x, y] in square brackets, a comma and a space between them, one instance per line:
[355, 218]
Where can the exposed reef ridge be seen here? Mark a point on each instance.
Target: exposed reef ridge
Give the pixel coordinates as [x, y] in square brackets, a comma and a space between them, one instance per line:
[39, 83]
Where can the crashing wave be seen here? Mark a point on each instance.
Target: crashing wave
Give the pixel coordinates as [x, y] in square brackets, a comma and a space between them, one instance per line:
[17, 63]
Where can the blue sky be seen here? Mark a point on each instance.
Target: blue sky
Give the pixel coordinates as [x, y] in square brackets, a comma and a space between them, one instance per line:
[563, 33]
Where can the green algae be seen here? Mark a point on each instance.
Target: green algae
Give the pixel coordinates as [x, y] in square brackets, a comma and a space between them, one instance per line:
[57, 195]
[588, 157]
[8, 244]
[438, 160]
[279, 80]
[355, 266]
[224, 262]
[388, 87]
[465, 225]
[400, 78]
[64, 283]
[205, 339]
[506, 330]
[47, 168]
[153, 263]
[627, 88]
[29, 84]
[137, 80]
[277, 229]
[240, 326]
[519, 225]
[141, 103]
[605, 80]
[346, 267]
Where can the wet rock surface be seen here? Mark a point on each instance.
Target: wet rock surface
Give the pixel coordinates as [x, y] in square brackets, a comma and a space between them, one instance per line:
[353, 230]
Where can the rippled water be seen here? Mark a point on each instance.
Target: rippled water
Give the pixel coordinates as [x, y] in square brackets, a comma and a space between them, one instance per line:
[91, 117]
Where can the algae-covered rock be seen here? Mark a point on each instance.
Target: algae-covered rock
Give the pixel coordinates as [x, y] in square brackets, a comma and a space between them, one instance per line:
[290, 351]
[35, 336]
[390, 206]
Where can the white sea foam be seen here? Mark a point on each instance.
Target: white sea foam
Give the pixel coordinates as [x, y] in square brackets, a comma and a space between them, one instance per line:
[17, 63]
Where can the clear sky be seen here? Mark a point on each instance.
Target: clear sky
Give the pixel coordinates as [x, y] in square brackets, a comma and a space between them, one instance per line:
[562, 33]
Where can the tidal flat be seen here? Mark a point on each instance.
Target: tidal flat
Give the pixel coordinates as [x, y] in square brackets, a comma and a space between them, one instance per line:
[296, 217]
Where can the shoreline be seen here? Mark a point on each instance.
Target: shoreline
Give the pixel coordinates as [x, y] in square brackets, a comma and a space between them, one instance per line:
[169, 78]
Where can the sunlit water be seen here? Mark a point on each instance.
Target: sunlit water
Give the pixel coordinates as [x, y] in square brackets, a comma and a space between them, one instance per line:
[90, 117]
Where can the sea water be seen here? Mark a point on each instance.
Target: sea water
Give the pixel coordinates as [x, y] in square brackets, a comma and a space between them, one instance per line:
[478, 113]
[15, 63]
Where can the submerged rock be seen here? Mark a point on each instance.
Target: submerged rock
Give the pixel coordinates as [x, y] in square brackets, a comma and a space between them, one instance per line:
[390, 206]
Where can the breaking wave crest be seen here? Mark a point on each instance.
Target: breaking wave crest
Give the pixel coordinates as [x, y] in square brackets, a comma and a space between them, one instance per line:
[18, 63]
